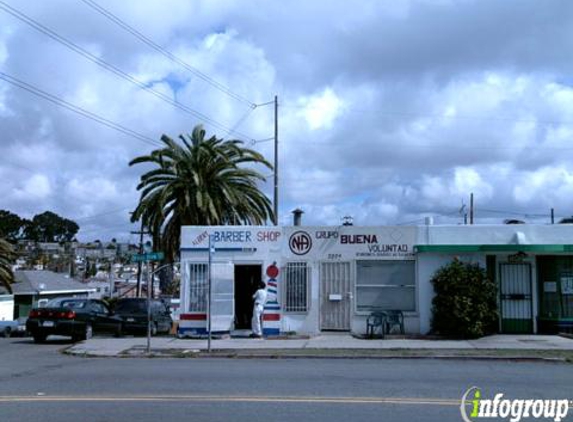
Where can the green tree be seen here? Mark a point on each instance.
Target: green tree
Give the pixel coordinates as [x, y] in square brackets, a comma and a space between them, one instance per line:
[465, 301]
[7, 255]
[11, 225]
[50, 227]
[199, 181]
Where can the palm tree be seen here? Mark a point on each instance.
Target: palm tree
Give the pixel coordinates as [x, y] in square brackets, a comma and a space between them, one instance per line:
[201, 182]
[6, 256]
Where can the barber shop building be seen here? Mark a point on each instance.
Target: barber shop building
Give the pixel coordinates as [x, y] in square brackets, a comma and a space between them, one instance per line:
[331, 278]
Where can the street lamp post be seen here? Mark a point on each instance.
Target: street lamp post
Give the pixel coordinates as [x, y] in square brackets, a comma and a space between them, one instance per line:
[211, 251]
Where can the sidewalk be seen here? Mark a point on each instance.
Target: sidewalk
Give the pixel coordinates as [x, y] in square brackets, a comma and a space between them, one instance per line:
[335, 345]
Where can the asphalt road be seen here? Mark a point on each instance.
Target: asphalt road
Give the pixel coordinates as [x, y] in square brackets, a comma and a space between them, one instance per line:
[37, 383]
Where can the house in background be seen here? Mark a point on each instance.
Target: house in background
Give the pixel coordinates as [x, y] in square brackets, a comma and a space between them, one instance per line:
[35, 288]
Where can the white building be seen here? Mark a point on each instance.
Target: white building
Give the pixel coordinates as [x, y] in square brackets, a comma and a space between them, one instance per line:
[331, 278]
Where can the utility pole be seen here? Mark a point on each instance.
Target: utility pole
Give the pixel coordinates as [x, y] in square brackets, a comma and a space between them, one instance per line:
[552, 216]
[471, 208]
[141, 232]
[148, 308]
[111, 280]
[276, 161]
[209, 316]
[276, 172]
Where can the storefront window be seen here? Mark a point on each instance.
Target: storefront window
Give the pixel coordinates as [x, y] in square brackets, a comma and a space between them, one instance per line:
[556, 287]
[296, 287]
[385, 285]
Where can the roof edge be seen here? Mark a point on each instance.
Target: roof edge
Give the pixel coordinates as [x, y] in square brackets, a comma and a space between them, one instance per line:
[492, 248]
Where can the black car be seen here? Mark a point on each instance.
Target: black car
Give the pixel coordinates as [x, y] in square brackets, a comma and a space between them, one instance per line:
[133, 312]
[78, 318]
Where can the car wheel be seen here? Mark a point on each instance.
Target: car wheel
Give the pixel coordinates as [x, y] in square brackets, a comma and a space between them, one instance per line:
[7, 332]
[39, 337]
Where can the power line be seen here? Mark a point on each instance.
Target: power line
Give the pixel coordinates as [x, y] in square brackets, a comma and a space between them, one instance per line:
[423, 219]
[523, 214]
[23, 167]
[111, 68]
[76, 109]
[91, 217]
[100, 229]
[146, 40]
[241, 120]
[434, 116]
[404, 145]
[259, 141]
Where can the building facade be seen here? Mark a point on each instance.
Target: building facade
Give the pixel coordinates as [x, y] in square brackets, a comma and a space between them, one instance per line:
[331, 278]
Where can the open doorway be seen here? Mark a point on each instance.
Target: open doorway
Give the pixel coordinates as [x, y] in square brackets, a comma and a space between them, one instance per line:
[247, 278]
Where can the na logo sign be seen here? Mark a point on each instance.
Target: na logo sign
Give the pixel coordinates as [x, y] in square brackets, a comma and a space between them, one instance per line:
[300, 243]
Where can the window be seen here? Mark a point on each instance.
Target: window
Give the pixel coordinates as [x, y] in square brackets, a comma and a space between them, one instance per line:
[64, 303]
[555, 275]
[296, 287]
[198, 285]
[126, 306]
[99, 308]
[385, 285]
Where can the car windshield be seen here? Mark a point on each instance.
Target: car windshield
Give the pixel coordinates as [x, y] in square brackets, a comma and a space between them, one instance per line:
[66, 303]
[131, 306]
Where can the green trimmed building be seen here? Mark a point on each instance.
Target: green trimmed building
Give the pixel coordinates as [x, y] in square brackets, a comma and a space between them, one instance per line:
[532, 265]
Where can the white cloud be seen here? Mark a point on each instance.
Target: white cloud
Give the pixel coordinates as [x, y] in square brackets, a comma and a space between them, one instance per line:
[549, 185]
[321, 110]
[36, 187]
[439, 191]
[388, 111]
[91, 190]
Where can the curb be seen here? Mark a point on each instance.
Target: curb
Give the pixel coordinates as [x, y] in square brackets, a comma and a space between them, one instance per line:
[336, 354]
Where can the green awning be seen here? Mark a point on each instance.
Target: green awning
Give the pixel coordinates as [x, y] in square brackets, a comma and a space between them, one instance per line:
[493, 248]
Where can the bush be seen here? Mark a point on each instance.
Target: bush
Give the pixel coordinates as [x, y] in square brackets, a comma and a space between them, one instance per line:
[465, 304]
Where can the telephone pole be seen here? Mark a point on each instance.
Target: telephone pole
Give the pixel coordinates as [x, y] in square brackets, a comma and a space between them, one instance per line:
[276, 172]
[472, 208]
[276, 161]
[140, 232]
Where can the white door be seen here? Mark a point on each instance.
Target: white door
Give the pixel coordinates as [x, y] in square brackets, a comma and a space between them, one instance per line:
[222, 296]
[336, 295]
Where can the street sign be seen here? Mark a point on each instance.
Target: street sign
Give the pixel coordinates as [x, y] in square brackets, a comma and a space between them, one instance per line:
[155, 256]
[144, 257]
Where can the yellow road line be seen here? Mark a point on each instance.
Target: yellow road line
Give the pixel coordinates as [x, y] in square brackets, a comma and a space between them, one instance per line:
[258, 399]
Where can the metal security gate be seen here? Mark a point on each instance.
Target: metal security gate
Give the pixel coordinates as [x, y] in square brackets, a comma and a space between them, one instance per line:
[198, 279]
[516, 299]
[222, 293]
[335, 296]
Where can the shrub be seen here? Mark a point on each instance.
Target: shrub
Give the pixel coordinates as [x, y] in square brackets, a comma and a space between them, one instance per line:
[465, 304]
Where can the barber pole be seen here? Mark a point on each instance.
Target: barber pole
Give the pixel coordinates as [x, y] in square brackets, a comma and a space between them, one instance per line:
[272, 314]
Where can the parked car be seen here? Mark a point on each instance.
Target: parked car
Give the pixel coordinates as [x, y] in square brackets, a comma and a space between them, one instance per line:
[75, 317]
[13, 328]
[133, 312]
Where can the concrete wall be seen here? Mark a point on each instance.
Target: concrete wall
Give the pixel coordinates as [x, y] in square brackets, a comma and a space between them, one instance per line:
[313, 245]
[426, 266]
[6, 307]
[508, 234]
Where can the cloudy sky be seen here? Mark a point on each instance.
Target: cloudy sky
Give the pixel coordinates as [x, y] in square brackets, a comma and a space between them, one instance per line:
[389, 111]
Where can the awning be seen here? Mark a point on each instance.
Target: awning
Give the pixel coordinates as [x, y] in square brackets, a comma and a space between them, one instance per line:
[493, 248]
